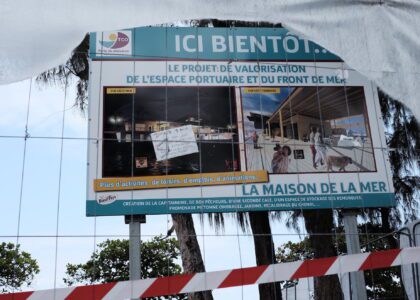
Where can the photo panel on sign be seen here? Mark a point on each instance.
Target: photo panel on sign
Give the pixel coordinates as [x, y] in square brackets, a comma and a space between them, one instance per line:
[304, 131]
[253, 120]
[288, 135]
[289, 120]
[117, 148]
[350, 129]
[342, 136]
[151, 116]
[211, 113]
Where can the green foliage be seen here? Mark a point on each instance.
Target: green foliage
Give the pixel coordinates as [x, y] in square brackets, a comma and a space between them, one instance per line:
[17, 268]
[403, 139]
[290, 251]
[107, 264]
[110, 262]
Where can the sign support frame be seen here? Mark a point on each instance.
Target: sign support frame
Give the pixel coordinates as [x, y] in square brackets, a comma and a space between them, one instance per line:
[134, 222]
[357, 279]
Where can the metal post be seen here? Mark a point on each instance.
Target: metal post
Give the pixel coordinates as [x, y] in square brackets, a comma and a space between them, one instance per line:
[281, 126]
[357, 279]
[134, 251]
[134, 222]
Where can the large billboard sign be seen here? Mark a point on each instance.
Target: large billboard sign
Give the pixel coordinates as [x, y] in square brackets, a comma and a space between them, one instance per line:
[190, 120]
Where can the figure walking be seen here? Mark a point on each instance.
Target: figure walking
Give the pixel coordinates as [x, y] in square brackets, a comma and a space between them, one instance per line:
[321, 150]
[255, 139]
[312, 145]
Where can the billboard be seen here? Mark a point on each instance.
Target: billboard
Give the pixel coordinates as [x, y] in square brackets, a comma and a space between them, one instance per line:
[191, 120]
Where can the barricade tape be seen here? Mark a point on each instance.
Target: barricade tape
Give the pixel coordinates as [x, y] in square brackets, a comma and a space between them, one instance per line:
[187, 283]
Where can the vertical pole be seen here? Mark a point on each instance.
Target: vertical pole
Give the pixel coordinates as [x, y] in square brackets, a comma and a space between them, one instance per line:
[281, 126]
[357, 279]
[134, 251]
[134, 222]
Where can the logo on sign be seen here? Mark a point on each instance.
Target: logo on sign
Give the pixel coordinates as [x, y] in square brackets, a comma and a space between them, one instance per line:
[106, 199]
[114, 43]
[115, 40]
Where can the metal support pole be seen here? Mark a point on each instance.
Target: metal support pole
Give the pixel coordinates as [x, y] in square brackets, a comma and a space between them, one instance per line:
[134, 252]
[134, 222]
[357, 279]
[281, 126]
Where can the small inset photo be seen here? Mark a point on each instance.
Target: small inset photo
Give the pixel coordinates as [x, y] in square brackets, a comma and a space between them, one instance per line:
[141, 162]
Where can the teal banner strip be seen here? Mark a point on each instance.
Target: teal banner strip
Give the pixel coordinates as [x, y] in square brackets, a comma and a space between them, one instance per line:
[192, 43]
[233, 204]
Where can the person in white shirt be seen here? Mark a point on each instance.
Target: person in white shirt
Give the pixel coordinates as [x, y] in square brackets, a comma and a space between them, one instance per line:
[321, 150]
[312, 145]
[255, 140]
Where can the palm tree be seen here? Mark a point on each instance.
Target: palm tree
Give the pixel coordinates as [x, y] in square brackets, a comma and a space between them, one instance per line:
[403, 139]
[319, 225]
[192, 261]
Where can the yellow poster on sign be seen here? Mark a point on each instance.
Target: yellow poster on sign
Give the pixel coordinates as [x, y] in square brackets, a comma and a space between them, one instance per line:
[185, 180]
[124, 90]
[261, 90]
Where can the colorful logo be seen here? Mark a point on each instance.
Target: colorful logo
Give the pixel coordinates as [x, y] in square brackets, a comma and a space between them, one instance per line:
[115, 40]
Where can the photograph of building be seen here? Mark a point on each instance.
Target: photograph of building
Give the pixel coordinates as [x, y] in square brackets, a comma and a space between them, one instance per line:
[128, 148]
[308, 130]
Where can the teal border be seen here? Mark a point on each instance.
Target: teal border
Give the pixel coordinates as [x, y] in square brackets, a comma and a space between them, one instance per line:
[158, 43]
[169, 206]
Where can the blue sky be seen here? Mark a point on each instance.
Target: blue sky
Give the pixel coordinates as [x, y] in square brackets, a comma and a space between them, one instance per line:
[264, 104]
[355, 123]
[76, 232]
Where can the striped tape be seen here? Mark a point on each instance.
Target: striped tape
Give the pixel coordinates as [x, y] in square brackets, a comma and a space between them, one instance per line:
[187, 283]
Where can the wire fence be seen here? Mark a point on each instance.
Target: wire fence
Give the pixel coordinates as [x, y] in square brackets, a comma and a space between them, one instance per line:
[44, 145]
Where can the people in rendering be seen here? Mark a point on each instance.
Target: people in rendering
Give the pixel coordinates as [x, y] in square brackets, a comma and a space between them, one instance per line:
[321, 150]
[284, 168]
[277, 156]
[280, 161]
[312, 145]
[255, 139]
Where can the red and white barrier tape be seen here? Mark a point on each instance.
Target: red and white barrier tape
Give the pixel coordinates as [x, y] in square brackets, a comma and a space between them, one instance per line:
[188, 283]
